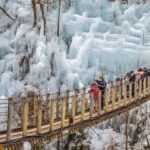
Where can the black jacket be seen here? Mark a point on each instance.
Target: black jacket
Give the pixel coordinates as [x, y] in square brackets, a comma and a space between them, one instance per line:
[101, 84]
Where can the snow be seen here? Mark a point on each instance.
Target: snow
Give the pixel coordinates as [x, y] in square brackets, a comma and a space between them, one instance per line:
[26, 146]
[102, 139]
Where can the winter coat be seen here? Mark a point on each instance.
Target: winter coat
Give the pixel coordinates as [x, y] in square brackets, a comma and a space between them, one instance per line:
[132, 77]
[101, 84]
[95, 90]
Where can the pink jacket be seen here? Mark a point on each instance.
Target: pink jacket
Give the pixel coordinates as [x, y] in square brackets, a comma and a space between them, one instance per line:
[95, 90]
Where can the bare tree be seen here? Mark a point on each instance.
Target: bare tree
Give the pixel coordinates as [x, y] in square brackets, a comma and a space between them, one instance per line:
[43, 16]
[34, 13]
[5, 12]
[69, 3]
[58, 21]
[48, 3]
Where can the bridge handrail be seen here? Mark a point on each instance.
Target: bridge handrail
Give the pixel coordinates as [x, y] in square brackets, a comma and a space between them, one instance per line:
[33, 112]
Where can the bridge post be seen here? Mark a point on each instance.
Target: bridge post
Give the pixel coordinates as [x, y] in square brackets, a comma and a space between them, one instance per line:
[121, 89]
[144, 87]
[83, 103]
[63, 112]
[39, 120]
[58, 105]
[113, 96]
[120, 96]
[9, 118]
[130, 91]
[106, 100]
[91, 104]
[125, 93]
[148, 84]
[52, 114]
[99, 101]
[135, 90]
[110, 91]
[73, 108]
[67, 102]
[76, 97]
[140, 88]
[47, 106]
[35, 101]
[25, 115]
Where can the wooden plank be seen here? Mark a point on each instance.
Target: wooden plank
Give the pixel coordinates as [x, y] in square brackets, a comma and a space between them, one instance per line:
[135, 90]
[83, 104]
[67, 102]
[130, 91]
[113, 97]
[52, 114]
[148, 84]
[140, 88]
[106, 100]
[25, 115]
[121, 88]
[73, 108]
[58, 105]
[99, 102]
[63, 112]
[76, 97]
[144, 86]
[47, 107]
[9, 118]
[120, 95]
[35, 101]
[111, 92]
[125, 93]
[39, 117]
[91, 104]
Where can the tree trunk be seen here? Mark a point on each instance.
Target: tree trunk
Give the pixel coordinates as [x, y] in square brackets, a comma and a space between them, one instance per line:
[43, 17]
[126, 130]
[58, 22]
[69, 3]
[48, 3]
[34, 13]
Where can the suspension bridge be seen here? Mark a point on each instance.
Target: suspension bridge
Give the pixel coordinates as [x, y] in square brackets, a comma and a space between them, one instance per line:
[36, 118]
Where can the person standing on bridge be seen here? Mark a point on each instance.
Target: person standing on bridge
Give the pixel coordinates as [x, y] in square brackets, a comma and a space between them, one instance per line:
[102, 86]
[95, 91]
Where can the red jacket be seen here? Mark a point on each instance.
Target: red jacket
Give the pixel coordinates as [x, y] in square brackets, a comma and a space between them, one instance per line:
[95, 90]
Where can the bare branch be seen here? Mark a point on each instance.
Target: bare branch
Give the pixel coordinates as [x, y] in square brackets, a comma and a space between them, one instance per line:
[4, 11]
[43, 17]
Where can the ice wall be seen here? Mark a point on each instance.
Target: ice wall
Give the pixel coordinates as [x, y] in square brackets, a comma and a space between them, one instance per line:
[96, 37]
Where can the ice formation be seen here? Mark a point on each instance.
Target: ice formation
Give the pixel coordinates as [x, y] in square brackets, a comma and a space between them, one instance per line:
[104, 37]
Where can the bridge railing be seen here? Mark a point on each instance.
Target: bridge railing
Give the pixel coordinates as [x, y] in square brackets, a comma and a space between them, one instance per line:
[35, 111]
